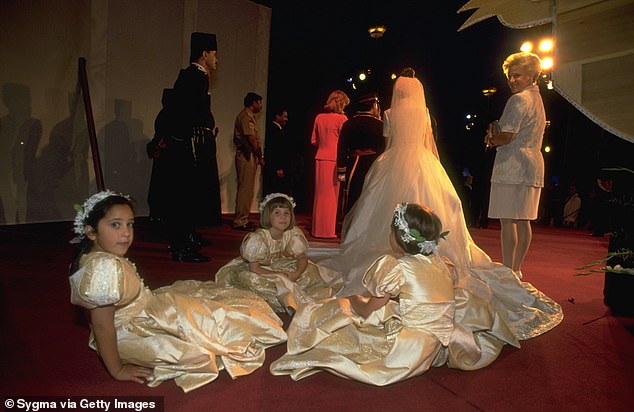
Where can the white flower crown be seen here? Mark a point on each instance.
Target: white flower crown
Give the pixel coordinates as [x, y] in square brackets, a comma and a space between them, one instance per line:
[84, 210]
[425, 247]
[272, 196]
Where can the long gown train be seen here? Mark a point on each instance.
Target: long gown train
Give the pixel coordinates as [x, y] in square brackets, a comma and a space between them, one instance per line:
[410, 171]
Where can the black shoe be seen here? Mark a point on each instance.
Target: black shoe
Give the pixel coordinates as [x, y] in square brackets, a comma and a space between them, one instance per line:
[188, 255]
[196, 241]
[248, 227]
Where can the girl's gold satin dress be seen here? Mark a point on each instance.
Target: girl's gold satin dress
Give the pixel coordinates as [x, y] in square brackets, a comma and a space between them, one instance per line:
[432, 324]
[316, 283]
[188, 331]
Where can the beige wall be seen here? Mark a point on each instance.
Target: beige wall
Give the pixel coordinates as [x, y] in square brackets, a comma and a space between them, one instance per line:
[134, 50]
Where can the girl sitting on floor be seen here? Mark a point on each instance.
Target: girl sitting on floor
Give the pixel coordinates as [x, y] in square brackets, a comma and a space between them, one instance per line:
[187, 331]
[273, 261]
[380, 341]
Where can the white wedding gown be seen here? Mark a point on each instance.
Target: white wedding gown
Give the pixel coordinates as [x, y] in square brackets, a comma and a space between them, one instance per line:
[410, 171]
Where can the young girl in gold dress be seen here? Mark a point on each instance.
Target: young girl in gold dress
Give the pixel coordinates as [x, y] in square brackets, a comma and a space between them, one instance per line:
[188, 331]
[273, 262]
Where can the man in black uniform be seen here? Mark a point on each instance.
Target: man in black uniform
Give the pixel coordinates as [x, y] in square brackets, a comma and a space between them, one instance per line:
[361, 141]
[279, 152]
[191, 153]
[159, 194]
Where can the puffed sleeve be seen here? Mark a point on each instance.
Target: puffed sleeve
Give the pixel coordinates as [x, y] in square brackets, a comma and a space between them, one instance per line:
[254, 247]
[104, 279]
[384, 276]
[297, 244]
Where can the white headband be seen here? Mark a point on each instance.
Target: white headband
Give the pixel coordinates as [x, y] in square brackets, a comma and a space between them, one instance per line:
[426, 247]
[84, 210]
[272, 196]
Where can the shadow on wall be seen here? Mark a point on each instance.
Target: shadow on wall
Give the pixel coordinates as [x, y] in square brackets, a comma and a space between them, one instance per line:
[122, 149]
[39, 181]
[42, 177]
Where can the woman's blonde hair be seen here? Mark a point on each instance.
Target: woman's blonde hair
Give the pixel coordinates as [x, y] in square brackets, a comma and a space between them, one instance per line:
[265, 215]
[337, 102]
[528, 62]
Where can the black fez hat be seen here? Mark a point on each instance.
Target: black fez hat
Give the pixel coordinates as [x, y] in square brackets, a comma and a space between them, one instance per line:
[201, 42]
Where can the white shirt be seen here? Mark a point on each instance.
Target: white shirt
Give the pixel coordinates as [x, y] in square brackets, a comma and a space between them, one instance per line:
[521, 160]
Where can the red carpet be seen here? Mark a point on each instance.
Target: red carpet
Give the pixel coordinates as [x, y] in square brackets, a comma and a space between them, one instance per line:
[586, 363]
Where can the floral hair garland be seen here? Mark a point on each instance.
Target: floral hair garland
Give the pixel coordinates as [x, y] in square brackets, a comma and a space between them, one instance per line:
[84, 210]
[272, 196]
[426, 247]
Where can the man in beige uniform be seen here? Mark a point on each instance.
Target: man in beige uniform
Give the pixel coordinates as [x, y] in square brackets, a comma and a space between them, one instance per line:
[246, 137]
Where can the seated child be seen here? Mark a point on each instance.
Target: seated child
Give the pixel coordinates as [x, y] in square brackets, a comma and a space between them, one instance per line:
[188, 331]
[273, 261]
[378, 340]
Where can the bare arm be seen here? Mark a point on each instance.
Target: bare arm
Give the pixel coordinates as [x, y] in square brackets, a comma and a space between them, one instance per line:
[364, 306]
[102, 319]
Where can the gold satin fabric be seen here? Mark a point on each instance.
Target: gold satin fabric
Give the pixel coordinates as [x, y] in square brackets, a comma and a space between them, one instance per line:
[188, 331]
[316, 283]
[402, 339]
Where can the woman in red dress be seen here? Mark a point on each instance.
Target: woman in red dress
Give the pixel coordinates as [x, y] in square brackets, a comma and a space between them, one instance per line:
[325, 136]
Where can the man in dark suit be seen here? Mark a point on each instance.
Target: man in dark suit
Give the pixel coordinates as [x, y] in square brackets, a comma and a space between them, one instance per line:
[360, 143]
[278, 153]
[191, 153]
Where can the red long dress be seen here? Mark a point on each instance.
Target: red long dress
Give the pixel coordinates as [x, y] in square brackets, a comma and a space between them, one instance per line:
[325, 136]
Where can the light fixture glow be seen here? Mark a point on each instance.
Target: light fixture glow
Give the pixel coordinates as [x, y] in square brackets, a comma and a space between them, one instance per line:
[547, 63]
[362, 76]
[377, 31]
[547, 149]
[546, 45]
[526, 47]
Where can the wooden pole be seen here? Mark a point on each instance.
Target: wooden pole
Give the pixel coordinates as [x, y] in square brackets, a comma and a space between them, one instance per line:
[90, 120]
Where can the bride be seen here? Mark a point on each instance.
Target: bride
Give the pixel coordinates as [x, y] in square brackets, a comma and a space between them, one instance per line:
[410, 171]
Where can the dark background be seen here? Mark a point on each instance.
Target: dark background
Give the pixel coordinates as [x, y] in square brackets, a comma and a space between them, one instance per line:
[316, 46]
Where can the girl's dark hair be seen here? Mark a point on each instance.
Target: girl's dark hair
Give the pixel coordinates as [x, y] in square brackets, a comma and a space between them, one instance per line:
[280, 201]
[96, 214]
[423, 220]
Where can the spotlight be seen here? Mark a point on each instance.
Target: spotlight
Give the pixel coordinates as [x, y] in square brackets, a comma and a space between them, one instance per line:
[547, 63]
[526, 47]
[362, 76]
[547, 149]
[546, 45]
